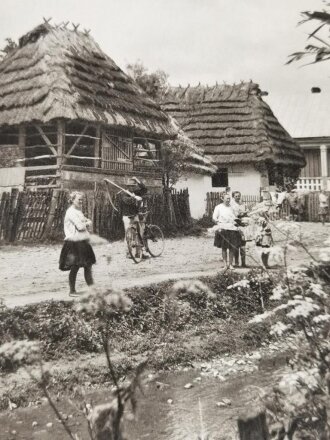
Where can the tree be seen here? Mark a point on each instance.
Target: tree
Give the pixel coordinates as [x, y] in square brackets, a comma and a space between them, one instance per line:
[321, 51]
[179, 154]
[154, 83]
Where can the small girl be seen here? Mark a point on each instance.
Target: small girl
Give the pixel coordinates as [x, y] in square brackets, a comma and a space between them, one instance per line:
[323, 206]
[77, 251]
[264, 239]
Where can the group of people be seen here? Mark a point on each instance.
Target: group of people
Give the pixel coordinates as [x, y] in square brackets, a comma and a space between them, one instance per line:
[77, 251]
[231, 217]
[296, 203]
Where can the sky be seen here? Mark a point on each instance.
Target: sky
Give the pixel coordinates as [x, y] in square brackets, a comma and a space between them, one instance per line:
[194, 41]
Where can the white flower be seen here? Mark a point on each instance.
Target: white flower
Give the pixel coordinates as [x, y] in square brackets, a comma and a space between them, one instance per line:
[324, 254]
[193, 287]
[321, 318]
[19, 351]
[260, 318]
[108, 301]
[281, 307]
[304, 309]
[278, 329]
[278, 293]
[290, 382]
[242, 283]
[317, 290]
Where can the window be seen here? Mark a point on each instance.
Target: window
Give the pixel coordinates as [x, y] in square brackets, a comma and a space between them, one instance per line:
[220, 178]
[146, 154]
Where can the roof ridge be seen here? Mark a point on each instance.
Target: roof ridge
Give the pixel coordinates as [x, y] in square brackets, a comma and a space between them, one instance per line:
[46, 27]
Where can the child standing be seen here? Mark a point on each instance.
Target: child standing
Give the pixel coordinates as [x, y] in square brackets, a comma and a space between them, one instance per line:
[264, 239]
[323, 206]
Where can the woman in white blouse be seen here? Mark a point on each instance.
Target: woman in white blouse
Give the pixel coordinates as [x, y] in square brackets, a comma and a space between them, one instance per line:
[227, 237]
[77, 251]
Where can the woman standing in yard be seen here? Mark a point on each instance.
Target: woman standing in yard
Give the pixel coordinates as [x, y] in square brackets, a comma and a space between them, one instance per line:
[77, 251]
[227, 237]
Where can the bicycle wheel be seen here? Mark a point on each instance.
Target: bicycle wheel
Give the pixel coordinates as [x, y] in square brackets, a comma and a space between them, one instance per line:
[154, 240]
[134, 244]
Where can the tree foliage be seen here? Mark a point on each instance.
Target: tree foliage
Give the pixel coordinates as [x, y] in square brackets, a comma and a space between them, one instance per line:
[319, 51]
[177, 153]
[153, 83]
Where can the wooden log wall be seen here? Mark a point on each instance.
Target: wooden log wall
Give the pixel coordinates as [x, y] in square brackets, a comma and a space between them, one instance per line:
[39, 215]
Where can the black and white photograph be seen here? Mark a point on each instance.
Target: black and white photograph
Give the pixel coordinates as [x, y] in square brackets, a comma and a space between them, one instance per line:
[164, 220]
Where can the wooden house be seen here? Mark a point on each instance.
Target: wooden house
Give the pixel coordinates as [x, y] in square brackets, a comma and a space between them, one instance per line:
[306, 116]
[69, 116]
[238, 131]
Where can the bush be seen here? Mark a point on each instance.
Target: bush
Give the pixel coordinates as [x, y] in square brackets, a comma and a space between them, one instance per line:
[155, 309]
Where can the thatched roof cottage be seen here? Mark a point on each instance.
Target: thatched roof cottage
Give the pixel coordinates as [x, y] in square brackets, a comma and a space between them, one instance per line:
[69, 115]
[239, 132]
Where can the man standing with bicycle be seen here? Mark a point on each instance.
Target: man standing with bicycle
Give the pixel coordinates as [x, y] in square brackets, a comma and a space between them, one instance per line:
[131, 205]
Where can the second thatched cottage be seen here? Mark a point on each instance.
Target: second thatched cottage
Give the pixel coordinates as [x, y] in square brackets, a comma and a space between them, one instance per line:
[239, 133]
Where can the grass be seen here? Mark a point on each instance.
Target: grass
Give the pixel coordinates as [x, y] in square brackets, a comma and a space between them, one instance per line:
[71, 345]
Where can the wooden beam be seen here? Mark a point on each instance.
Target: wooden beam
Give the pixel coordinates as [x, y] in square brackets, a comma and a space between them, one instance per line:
[42, 186]
[97, 147]
[78, 140]
[45, 138]
[82, 135]
[44, 176]
[41, 167]
[81, 157]
[44, 156]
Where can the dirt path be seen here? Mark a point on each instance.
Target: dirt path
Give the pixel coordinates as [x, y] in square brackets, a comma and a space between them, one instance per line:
[30, 273]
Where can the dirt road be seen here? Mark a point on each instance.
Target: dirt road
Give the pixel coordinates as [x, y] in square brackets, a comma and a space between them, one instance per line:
[30, 273]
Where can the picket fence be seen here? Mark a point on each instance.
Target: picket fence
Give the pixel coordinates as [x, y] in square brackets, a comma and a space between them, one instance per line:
[36, 216]
[309, 206]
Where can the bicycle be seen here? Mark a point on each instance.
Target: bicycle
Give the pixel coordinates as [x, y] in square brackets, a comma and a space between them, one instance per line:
[151, 239]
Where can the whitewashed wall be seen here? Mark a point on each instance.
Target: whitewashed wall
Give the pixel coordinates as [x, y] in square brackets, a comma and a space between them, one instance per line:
[243, 178]
[246, 179]
[11, 178]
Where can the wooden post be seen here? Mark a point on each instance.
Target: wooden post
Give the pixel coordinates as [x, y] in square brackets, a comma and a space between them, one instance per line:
[60, 147]
[12, 206]
[253, 427]
[97, 147]
[21, 143]
[51, 214]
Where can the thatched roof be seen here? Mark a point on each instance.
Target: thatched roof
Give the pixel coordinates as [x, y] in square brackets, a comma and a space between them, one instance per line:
[194, 159]
[59, 73]
[232, 124]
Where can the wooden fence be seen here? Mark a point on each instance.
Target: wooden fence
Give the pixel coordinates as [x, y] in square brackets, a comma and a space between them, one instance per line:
[35, 216]
[309, 204]
[214, 198]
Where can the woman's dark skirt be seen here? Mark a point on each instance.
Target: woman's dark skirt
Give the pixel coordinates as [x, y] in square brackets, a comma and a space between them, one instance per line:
[76, 253]
[226, 239]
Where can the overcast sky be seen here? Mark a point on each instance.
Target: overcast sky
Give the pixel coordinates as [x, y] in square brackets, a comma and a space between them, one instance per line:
[192, 40]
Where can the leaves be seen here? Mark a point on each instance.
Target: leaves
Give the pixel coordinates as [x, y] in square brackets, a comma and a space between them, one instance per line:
[322, 52]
